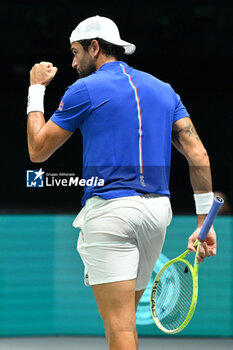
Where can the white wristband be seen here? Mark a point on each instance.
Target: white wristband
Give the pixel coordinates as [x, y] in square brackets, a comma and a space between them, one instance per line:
[203, 202]
[36, 98]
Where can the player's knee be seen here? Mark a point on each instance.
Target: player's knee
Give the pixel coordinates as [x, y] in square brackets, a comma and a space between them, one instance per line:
[114, 325]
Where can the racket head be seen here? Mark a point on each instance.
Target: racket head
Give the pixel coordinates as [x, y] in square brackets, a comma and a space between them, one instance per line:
[174, 295]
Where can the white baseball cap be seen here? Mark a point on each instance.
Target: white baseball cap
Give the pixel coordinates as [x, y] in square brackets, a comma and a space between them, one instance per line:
[103, 28]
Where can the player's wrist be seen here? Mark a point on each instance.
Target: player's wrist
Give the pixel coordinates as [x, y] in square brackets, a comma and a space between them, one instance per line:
[203, 203]
[36, 98]
[200, 219]
[37, 83]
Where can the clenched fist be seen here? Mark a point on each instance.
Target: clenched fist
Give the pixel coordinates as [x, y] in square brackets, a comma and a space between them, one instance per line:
[42, 73]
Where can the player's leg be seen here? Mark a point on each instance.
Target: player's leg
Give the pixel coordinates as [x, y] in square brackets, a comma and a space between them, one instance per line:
[156, 215]
[138, 295]
[108, 248]
[116, 304]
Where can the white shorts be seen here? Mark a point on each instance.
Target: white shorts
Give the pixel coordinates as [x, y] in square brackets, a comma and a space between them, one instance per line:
[121, 238]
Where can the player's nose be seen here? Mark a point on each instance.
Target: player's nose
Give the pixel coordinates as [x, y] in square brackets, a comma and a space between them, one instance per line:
[74, 62]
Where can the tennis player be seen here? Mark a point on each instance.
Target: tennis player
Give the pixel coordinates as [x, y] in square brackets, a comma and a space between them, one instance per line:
[128, 120]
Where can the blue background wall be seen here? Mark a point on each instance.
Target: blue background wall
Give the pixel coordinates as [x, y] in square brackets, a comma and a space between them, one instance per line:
[41, 279]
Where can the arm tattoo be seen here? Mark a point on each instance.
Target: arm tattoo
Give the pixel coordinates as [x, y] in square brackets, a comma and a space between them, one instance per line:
[188, 130]
[191, 131]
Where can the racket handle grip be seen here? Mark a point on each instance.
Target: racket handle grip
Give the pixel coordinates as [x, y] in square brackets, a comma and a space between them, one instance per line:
[218, 202]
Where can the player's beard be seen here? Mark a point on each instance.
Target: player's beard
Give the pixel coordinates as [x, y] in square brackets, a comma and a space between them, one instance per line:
[86, 69]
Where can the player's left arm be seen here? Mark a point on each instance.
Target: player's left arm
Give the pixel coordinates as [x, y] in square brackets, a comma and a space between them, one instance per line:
[43, 138]
[187, 141]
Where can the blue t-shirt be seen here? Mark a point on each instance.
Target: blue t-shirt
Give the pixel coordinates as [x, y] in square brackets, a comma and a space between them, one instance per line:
[125, 117]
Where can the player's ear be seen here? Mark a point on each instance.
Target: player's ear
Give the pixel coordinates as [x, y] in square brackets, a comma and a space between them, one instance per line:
[95, 48]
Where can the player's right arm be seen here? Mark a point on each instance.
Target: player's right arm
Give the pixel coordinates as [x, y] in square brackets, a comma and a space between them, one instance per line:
[187, 141]
[43, 138]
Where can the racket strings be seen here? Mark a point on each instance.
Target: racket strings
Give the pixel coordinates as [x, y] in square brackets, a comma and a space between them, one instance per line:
[173, 295]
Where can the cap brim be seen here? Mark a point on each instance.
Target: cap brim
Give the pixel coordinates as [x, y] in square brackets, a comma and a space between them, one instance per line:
[129, 48]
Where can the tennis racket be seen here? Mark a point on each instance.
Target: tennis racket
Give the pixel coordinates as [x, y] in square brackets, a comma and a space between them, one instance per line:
[175, 288]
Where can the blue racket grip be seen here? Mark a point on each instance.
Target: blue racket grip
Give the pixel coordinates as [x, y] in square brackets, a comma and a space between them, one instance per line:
[217, 203]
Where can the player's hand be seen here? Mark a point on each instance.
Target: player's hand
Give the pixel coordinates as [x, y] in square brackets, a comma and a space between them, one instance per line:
[42, 73]
[208, 247]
